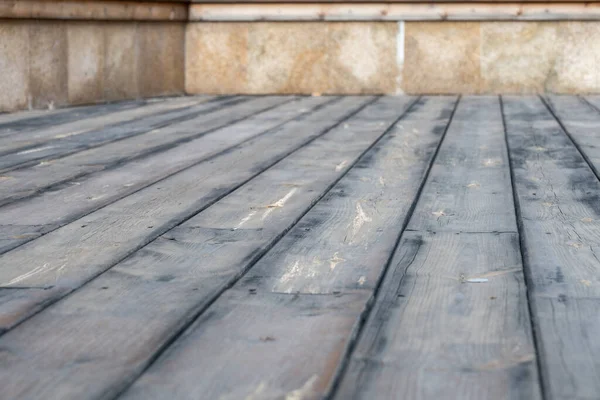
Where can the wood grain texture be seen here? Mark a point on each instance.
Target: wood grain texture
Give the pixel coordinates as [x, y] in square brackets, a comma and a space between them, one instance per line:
[434, 335]
[330, 259]
[13, 123]
[560, 225]
[155, 292]
[357, 224]
[48, 174]
[582, 123]
[22, 221]
[451, 318]
[27, 149]
[467, 187]
[65, 259]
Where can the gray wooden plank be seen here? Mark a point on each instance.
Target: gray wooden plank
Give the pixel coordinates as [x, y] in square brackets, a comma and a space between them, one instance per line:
[581, 122]
[70, 200]
[179, 273]
[558, 195]
[451, 320]
[21, 183]
[102, 130]
[32, 120]
[434, 335]
[66, 258]
[594, 100]
[83, 120]
[293, 314]
[467, 187]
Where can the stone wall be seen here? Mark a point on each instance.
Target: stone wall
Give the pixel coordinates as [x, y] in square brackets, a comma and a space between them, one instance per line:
[393, 57]
[51, 63]
[56, 53]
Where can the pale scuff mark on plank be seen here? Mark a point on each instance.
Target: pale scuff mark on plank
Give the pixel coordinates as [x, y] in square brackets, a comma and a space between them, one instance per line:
[297, 270]
[279, 203]
[439, 213]
[66, 135]
[359, 220]
[361, 281]
[494, 273]
[257, 394]
[245, 219]
[341, 165]
[492, 162]
[477, 280]
[305, 392]
[37, 149]
[381, 181]
[335, 260]
[473, 185]
[36, 271]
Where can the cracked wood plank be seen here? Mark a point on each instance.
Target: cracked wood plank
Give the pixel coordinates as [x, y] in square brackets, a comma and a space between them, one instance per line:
[73, 199]
[451, 317]
[560, 227]
[294, 313]
[152, 295]
[68, 257]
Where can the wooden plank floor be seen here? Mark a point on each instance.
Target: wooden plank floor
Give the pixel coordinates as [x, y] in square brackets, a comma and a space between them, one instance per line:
[286, 247]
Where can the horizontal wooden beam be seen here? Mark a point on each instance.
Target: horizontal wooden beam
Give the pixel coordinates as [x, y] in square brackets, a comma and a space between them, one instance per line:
[396, 12]
[94, 10]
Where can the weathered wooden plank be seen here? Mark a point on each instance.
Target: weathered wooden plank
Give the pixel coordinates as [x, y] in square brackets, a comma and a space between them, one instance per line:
[31, 120]
[28, 181]
[64, 203]
[20, 133]
[593, 100]
[434, 333]
[558, 195]
[306, 295]
[467, 187]
[179, 273]
[70, 256]
[22, 151]
[451, 317]
[581, 122]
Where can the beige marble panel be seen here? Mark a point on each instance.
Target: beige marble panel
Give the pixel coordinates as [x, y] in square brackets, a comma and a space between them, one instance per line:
[120, 61]
[363, 57]
[442, 57]
[48, 74]
[517, 57]
[577, 66]
[14, 65]
[288, 58]
[216, 58]
[161, 58]
[86, 62]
